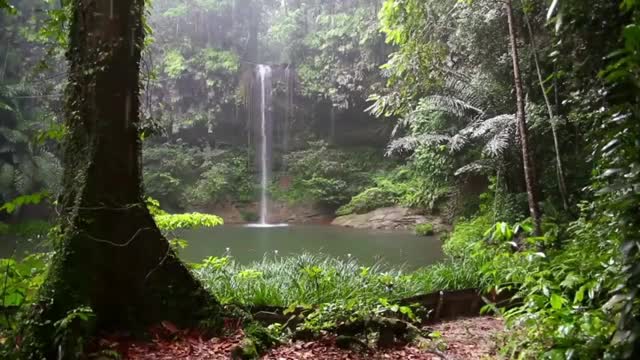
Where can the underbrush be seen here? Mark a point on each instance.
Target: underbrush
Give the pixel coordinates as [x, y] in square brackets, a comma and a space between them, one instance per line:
[184, 177]
[403, 186]
[26, 229]
[330, 176]
[562, 280]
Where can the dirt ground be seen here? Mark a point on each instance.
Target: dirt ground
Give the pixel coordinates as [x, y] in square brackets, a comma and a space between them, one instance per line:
[470, 338]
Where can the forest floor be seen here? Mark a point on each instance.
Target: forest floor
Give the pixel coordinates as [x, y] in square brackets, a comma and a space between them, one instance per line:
[470, 338]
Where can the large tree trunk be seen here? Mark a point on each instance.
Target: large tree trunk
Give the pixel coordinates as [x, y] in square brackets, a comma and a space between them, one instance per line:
[529, 169]
[111, 256]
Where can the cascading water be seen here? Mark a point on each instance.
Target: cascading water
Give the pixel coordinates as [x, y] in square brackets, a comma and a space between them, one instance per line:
[264, 72]
[266, 129]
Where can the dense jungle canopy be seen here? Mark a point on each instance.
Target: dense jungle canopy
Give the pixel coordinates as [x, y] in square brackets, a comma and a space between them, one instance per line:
[485, 153]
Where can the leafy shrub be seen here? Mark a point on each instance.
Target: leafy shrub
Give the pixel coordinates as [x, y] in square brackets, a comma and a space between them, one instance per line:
[167, 223]
[183, 177]
[465, 236]
[227, 179]
[167, 170]
[368, 200]
[172, 222]
[328, 176]
[424, 229]
[20, 281]
[564, 310]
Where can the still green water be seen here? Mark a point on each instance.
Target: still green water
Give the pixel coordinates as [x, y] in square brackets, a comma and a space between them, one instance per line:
[247, 245]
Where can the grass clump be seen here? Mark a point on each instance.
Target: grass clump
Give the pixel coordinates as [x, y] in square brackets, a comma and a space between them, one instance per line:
[425, 229]
[303, 279]
[308, 279]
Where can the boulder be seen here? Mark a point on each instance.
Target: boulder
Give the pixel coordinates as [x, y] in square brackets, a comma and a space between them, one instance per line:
[390, 218]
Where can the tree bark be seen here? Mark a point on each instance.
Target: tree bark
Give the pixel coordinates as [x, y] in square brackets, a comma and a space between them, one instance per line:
[110, 255]
[529, 168]
[562, 187]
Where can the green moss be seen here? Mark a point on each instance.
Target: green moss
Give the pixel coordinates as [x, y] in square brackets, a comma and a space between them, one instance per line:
[262, 338]
[424, 229]
[258, 340]
[245, 351]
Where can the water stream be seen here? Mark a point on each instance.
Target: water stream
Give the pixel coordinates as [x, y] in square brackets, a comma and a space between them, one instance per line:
[264, 73]
[266, 135]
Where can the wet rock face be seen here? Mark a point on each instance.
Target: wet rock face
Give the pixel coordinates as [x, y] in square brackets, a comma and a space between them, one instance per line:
[278, 213]
[390, 218]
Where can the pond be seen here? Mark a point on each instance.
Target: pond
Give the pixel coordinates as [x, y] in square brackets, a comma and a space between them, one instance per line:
[248, 244]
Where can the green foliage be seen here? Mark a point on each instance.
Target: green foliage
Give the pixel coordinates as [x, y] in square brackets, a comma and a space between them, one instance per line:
[405, 185]
[174, 64]
[329, 176]
[20, 281]
[22, 200]
[187, 177]
[4, 4]
[563, 294]
[316, 279]
[28, 229]
[304, 279]
[368, 200]
[563, 309]
[226, 180]
[172, 222]
[424, 229]
[73, 331]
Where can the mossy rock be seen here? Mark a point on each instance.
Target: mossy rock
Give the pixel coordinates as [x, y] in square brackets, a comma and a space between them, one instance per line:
[247, 350]
[258, 340]
[425, 229]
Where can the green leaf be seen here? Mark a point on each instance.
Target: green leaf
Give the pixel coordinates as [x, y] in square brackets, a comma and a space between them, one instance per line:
[557, 301]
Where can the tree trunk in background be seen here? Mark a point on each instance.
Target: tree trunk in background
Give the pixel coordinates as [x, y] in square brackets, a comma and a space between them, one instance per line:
[110, 256]
[529, 169]
[562, 187]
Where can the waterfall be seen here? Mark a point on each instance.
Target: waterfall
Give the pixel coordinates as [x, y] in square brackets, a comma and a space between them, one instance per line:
[264, 73]
[264, 132]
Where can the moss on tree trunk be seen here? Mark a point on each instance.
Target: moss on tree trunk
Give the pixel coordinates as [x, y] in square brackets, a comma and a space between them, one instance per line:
[110, 255]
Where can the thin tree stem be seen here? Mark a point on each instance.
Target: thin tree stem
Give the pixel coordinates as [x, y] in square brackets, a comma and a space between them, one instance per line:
[529, 169]
[562, 187]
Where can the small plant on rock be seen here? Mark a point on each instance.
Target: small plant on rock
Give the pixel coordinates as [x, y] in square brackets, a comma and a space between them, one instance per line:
[425, 229]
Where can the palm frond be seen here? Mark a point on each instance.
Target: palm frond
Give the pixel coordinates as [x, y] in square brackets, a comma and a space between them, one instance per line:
[499, 142]
[450, 104]
[411, 142]
[476, 167]
[492, 125]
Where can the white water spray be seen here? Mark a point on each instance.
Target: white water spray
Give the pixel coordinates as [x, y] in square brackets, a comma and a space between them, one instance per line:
[264, 76]
[264, 73]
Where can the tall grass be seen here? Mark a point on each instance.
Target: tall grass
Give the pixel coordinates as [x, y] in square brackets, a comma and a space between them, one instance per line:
[317, 279]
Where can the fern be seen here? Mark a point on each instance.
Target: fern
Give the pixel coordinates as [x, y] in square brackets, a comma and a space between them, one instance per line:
[411, 142]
